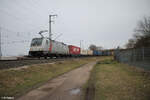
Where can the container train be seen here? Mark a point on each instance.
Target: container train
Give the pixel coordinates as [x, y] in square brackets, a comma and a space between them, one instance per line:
[44, 47]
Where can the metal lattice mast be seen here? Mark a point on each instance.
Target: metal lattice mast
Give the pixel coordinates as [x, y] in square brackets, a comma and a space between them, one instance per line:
[50, 30]
[0, 43]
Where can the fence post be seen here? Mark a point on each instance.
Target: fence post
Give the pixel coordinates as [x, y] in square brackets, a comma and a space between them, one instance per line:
[133, 55]
[143, 53]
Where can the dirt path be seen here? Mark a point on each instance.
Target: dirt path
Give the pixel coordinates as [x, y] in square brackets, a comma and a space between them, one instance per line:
[65, 87]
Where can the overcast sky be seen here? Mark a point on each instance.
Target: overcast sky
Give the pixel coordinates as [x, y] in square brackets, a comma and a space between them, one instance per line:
[106, 23]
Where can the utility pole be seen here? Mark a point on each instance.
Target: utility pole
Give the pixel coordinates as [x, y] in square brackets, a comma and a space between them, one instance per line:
[81, 43]
[0, 43]
[50, 21]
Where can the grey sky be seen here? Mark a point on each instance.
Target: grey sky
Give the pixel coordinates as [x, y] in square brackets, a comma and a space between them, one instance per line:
[106, 23]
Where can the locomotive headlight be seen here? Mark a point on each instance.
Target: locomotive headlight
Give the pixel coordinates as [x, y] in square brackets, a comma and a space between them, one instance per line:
[40, 49]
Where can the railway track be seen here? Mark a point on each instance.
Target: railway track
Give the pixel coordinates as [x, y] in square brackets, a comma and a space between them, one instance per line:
[5, 64]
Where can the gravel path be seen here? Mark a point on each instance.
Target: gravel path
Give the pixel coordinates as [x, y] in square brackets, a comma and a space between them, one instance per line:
[64, 87]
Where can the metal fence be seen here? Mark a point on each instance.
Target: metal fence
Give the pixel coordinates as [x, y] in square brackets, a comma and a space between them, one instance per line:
[138, 57]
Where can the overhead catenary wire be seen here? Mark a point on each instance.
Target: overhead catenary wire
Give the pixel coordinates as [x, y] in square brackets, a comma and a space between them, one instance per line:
[11, 36]
[26, 8]
[20, 20]
[7, 39]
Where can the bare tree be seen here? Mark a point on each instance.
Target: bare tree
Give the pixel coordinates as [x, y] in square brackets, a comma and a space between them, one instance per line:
[141, 38]
[143, 27]
[130, 44]
[92, 47]
[99, 48]
[143, 33]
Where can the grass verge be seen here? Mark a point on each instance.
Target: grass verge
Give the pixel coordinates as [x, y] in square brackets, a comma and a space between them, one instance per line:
[16, 81]
[115, 81]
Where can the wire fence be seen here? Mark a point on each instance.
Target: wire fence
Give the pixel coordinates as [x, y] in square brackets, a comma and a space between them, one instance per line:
[139, 57]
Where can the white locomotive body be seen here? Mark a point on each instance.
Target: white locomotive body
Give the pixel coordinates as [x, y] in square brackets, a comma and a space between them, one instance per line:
[44, 47]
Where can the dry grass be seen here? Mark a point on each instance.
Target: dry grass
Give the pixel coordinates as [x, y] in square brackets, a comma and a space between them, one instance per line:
[14, 82]
[115, 81]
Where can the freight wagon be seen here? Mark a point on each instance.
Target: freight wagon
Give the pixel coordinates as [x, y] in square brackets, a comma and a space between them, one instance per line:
[106, 53]
[97, 53]
[86, 53]
[89, 52]
[83, 52]
[74, 50]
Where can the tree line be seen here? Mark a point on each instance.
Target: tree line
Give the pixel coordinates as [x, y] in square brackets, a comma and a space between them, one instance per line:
[141, 37]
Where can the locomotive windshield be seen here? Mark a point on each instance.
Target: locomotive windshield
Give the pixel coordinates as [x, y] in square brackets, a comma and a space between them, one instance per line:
[36, 42]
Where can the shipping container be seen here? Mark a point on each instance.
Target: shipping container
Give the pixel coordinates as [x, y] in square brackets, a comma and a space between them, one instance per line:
[89, 52]
[84, 52]
[107, 53]
[97, 53]
[74, 50]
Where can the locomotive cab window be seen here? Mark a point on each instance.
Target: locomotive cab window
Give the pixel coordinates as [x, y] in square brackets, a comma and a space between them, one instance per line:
[36, 42]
